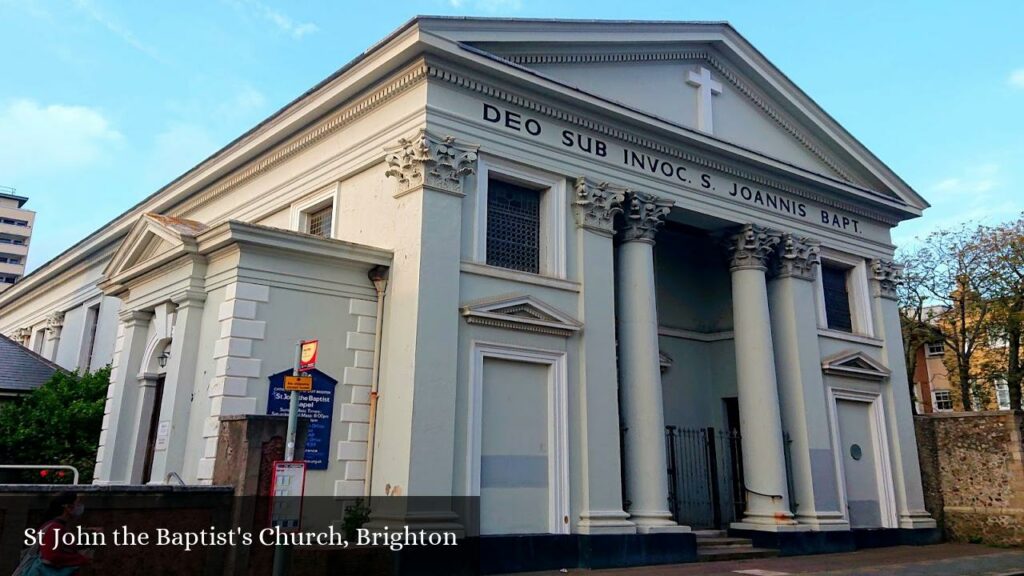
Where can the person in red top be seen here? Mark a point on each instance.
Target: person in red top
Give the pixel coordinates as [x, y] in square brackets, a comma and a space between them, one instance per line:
[64, 512]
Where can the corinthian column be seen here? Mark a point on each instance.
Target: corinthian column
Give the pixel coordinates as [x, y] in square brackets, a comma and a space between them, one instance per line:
[417, 398]
[595, 205]
[899, 419]
[639, 370]
[801, 387]
[764, 464]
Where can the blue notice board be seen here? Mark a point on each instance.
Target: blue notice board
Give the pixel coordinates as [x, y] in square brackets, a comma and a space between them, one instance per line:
[316, 405]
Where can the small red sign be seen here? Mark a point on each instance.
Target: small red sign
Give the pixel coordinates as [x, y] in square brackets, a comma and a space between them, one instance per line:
[307, 355]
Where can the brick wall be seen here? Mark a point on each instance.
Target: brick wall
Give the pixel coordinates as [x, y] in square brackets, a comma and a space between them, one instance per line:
[972, 468]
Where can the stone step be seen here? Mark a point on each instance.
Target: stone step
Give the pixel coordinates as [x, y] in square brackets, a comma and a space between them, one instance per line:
[724, 542]
[710, 533]
[715, 554]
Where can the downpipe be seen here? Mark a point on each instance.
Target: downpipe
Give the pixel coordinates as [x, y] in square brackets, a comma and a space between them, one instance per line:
[379, 276]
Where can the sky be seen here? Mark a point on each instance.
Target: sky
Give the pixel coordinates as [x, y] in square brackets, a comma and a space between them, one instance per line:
[103, 102]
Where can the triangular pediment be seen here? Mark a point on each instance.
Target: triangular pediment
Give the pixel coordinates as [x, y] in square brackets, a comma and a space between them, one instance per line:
[521, 312]
[662, 70]
[154, 239]
[855, 364]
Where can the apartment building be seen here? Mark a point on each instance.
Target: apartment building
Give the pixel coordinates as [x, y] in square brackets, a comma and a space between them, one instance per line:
[15, 232]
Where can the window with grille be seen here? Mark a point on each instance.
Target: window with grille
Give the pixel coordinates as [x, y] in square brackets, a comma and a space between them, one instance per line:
[837, 297]
[943, 401]
[934, 349]
[319, 222]
[513, 226]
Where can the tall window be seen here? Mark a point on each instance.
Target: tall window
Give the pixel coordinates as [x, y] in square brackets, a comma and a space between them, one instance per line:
[1003, 394]
[92, 315]
[319, 221]
[942, 400]
[513, 226]
[837, 297]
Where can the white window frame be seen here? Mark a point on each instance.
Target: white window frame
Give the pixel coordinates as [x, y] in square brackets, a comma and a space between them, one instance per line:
[883, 469]
[558, 434]
[856, 287]
[1001, 386]
[928, 352]
[301, 209]
[935, 401]
[553, 189]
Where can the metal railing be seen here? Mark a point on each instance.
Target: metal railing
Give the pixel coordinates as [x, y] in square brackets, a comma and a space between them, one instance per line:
[74, 471]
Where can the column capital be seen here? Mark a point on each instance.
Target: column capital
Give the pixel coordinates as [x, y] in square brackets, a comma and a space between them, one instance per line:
[751, 247]
[596, 204]
[131, 317]
[23, 335]
[886, 275]
[189, 298]
[54, 322]
[797, 257]
[644, 213]
[424, 160]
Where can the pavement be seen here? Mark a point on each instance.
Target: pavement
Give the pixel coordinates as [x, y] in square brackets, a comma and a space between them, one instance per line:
[936, 560]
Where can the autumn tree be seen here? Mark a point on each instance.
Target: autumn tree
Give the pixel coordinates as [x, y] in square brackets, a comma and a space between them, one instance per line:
[952, 270]
[1004, 246]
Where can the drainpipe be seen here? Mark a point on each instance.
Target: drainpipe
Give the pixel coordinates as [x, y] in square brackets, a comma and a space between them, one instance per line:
[379, 276]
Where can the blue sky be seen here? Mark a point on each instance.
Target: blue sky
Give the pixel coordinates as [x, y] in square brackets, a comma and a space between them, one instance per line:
[101, 103]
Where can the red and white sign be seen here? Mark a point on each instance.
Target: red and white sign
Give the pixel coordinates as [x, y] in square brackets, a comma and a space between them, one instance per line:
[307, 355]
[286, 491]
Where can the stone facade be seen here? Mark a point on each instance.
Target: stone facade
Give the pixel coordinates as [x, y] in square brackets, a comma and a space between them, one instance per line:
[972, 468]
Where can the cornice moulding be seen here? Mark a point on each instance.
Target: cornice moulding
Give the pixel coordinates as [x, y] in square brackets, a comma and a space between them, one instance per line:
[462, 81]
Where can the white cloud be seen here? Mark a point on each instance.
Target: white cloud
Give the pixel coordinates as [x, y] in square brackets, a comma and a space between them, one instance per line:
[1016, 78]
[36, 138]
[975, 180]
[282, 21]
[94, 12]
[178, 149]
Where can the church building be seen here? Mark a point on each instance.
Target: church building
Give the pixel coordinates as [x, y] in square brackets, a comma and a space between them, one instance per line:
[613, 278]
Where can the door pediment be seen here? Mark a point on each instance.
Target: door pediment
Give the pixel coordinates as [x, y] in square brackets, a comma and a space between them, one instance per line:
[521, 312]
[154, 240]
[855, 364]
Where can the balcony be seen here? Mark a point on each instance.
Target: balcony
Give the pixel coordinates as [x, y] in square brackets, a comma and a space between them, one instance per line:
[14, 249]
[15, 269]
[15, 230]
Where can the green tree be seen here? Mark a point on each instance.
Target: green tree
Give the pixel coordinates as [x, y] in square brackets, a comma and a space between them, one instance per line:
[57, 423]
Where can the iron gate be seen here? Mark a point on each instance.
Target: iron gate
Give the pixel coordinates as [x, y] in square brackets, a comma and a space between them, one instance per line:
[705, 476]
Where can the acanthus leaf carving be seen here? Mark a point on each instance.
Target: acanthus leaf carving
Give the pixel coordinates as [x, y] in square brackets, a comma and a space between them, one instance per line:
[797, 257]
[643, 215]
[595, 205]
[752, 247]
[887, 275]
[425, 160]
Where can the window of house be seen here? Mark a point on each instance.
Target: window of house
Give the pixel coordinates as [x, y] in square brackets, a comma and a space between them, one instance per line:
[9, 260]
[319, 221]
[934, 349]
[942, 400]
[837, 297]
[1003, 395]
[8, 279]
[513, 226]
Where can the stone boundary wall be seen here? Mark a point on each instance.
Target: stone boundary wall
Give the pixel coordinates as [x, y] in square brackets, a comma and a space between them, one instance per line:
[972, 468]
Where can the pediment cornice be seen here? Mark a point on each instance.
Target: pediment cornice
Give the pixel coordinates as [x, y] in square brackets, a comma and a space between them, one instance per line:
[707, 56]
[521, 312]
[474, 83]
[855, 364]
